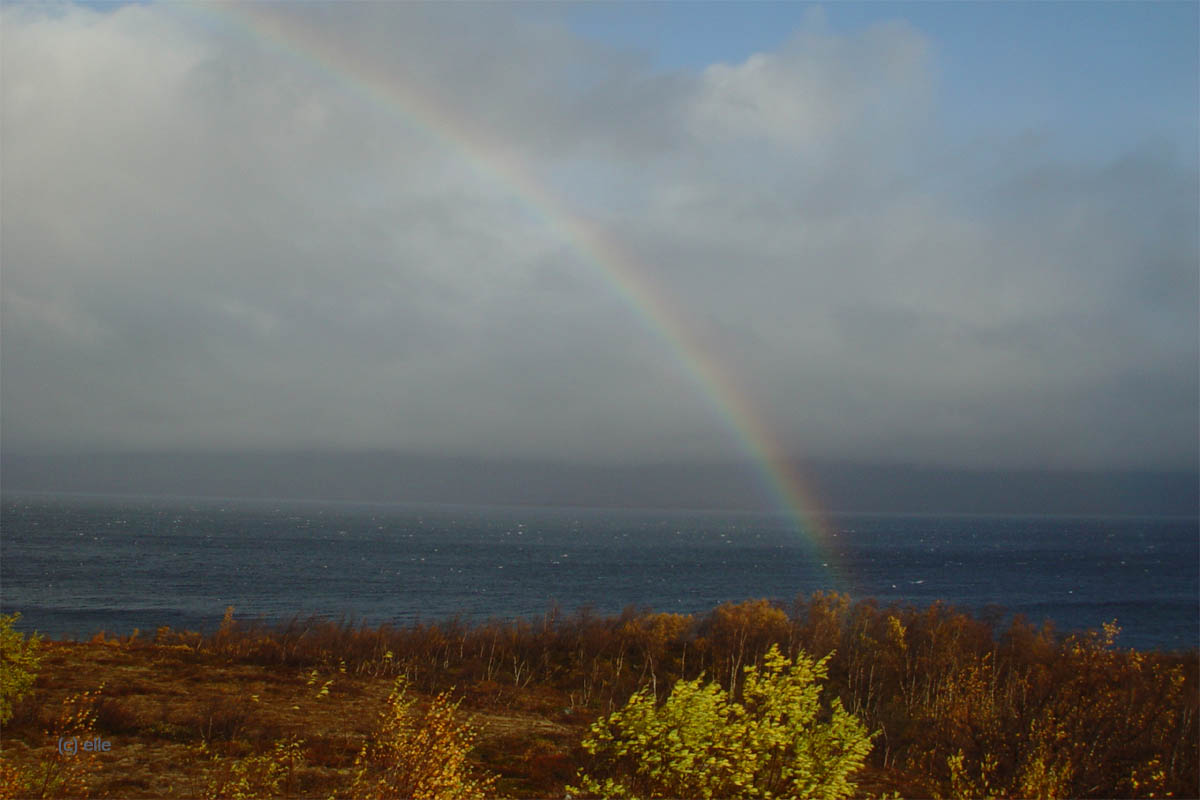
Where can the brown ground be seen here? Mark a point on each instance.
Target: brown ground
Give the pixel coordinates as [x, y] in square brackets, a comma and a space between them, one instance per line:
[159, 705]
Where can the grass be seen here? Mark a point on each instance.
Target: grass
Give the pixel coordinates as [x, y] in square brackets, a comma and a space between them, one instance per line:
[159, 705]
[961, 707]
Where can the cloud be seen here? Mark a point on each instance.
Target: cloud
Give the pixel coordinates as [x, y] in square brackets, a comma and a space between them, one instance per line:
[817, 92]
[212, 239]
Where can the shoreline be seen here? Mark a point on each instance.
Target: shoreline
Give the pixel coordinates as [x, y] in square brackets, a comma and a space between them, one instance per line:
[993, 615]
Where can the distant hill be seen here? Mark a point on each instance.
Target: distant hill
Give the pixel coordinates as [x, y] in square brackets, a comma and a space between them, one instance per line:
[398, 477]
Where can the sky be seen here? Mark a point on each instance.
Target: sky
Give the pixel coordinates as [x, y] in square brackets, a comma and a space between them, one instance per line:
[961, 235]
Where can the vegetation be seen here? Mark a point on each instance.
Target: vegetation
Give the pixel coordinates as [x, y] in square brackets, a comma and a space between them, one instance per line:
[959, 705]
[18, 664]
[702, 743]
[420, 755]
[269, 774]
[64, 773]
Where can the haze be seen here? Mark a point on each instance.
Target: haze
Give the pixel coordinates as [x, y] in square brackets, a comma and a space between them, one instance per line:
[962, 238]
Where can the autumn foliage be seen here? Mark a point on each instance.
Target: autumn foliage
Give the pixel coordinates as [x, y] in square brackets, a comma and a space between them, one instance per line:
[962, 705]
[418, 754]
[958, 704]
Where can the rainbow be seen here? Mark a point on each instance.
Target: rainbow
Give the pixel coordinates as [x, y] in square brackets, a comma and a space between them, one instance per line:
[618, 269]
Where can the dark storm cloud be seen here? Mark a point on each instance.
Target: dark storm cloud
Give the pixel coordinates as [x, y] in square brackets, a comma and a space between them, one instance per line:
[210, 242]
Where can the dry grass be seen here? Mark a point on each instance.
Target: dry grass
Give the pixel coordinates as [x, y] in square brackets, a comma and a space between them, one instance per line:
[160, 705]
[961, 705]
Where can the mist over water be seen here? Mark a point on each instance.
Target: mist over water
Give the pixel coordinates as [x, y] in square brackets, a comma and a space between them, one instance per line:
[76, 565]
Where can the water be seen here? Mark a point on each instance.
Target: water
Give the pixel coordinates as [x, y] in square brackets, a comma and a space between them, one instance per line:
[76, 565]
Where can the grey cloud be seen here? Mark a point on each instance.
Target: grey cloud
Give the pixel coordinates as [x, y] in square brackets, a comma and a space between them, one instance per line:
[210, 242]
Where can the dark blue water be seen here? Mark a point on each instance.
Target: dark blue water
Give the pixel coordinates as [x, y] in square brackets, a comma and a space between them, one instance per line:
[73, 566]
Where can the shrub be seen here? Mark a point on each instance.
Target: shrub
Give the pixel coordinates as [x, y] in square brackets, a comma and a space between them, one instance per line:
[67, 773]
[779, 741]
[269, 774]
[418, 754]
[19, 662]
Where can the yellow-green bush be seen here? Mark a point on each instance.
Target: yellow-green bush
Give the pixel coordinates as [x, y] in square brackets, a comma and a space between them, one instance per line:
[779, 741]
[19, 661]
